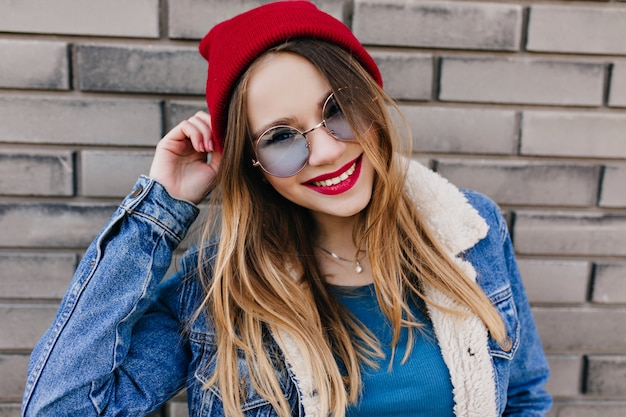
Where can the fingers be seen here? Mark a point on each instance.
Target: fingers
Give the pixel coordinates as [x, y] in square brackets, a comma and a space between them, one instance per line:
[201, 135]
[195, 131]
[214, 163]
[181, 163]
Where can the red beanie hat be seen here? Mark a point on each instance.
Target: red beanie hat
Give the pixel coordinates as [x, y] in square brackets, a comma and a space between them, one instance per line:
[231, 46]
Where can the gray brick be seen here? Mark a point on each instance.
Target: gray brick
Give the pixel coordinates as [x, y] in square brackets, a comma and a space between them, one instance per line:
[24, 324]
[570, 233]
[177, 409]
[438, 24]
[613, 192]
[13, 369]
[606, 375]
[192, 19]
[525, 182]
[406, 76]
[580, 134]
[35, 275]
[609, 285]
[565, 375]
[34, 64]
[581, 329]
[462, 130]
[617, 95]
[52, 225]
[139, 18]
[141, 69]
[10, 410]
[521, 80]
[591, 409]
[181, 110]
[555, 281]
[111, 173]
[37, 173]
[94, 122]
[593, 30]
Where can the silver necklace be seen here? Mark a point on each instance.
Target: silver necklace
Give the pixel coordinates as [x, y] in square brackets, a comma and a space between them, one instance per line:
[356, 262]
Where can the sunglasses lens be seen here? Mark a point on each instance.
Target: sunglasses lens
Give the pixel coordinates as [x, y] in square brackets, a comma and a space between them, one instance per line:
[282, 151]
[336, 122]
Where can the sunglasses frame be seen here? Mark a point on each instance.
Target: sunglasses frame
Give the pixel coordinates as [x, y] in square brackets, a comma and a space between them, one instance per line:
[323, 123]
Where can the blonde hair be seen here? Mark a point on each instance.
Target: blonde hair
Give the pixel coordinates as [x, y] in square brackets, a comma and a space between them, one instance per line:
[264, 279]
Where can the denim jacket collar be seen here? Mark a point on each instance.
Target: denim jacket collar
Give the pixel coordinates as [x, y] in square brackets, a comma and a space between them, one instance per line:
[458, 227]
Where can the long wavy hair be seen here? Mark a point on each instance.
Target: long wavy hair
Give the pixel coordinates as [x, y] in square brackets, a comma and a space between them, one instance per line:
[265, 282]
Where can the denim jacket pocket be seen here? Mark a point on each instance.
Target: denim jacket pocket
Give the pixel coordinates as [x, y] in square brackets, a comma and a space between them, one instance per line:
[209, 402]
[505, 305]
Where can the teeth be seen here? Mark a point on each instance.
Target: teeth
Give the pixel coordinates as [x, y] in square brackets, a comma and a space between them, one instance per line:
[336, 180]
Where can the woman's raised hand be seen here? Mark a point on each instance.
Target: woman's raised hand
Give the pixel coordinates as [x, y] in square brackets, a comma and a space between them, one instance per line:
[180, 161]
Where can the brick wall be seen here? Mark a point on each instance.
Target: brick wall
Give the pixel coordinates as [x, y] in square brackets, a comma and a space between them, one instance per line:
[523, 100]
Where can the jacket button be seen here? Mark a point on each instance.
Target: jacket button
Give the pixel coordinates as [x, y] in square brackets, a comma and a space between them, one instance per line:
[507, 344]
[136, 192]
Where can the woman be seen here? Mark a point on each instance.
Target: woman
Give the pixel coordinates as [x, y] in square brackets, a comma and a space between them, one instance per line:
[340, 278]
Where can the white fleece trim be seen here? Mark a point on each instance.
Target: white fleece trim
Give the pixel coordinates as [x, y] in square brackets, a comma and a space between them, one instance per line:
[301, 370]
[453, 220]
[463, 341]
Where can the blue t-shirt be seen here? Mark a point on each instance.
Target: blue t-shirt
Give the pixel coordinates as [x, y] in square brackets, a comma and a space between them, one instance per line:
[420, 386]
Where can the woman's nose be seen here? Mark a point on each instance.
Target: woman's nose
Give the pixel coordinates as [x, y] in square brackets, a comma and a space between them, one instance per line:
[324, 148]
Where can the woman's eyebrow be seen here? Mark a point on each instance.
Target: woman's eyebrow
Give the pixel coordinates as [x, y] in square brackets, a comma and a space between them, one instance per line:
[290, 120]
[283, 121]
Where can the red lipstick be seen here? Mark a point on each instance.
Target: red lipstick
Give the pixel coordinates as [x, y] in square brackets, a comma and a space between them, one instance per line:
[341, 187]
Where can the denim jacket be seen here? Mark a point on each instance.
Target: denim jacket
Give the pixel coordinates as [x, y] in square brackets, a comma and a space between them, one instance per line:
[123, 341]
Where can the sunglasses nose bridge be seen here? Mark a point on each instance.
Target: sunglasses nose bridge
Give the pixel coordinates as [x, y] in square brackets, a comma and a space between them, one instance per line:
[320, 124]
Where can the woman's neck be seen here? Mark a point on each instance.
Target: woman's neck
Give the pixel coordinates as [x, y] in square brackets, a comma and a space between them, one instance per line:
[335, 230]
[336, 250]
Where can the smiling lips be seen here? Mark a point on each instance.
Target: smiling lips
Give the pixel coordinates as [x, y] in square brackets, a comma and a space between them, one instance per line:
[337, 182]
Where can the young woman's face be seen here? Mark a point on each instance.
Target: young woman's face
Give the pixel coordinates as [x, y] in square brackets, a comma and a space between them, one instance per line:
[286, 89]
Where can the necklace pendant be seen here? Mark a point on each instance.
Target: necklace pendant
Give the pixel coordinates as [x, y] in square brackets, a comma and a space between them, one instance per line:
[357, 262]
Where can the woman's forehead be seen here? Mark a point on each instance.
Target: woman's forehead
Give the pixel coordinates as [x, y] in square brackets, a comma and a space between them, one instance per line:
[281, 86]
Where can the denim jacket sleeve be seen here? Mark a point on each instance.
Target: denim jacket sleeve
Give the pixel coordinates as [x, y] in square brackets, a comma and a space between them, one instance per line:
[521, 370]
[85, 364]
